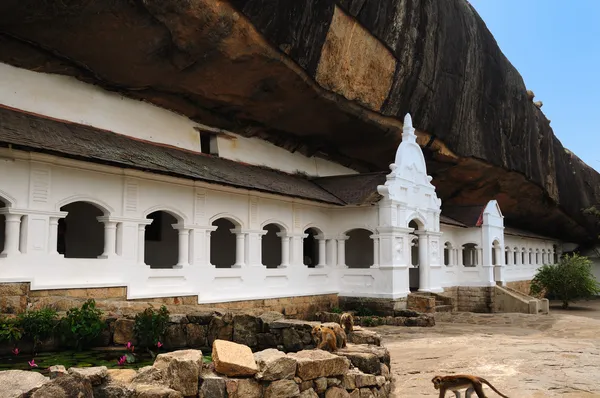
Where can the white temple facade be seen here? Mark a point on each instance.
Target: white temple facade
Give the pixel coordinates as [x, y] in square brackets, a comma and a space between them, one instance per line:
[100, 190]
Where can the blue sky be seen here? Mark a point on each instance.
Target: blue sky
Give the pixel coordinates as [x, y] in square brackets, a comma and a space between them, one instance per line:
[555, 45]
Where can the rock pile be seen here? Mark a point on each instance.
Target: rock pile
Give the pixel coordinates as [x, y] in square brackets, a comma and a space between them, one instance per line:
[356, 371]
[401, 318]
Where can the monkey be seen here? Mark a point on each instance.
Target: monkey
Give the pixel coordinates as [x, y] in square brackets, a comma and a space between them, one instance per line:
[347, 322]
[340, 335]
[324, 337]
[456, 382]
[530, 95]
[539, 104]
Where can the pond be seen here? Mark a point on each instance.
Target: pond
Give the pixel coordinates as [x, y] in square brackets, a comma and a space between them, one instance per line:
[97, 357]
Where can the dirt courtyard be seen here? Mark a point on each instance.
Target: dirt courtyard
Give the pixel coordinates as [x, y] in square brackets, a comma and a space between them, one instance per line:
[523, 356]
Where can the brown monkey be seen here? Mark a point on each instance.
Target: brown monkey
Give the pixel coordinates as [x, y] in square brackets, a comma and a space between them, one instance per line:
[530, 95]
[539, 104]
[347, 322]
[456, 382]
[324, 337]
[340, 335]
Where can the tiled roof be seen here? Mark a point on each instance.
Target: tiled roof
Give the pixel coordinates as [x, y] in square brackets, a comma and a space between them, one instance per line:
[449, 221]
[354, 189]
[470, 216]
[40, 134]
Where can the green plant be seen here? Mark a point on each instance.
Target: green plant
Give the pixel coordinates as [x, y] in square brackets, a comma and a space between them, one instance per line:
[367, 321]
[81, 326]
[150, 326]
[38, 325]
[10, 331]
[336, 310]
[569, 280]
[364, 311]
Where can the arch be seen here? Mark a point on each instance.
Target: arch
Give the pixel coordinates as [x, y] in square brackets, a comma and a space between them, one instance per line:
[496, 251]
[103, 206]
[544, 259]
[80, 234]
[555, 253]
[223, 245]
[523, 250]
[227, 216]
[530, 255]
[537, 256]
[310, 247]
[161, 240]
[515, 255]
[470, 258]
[8, 200]
[506, 255]
[359, 248]
[175, 213]
[318, 228]
[3, 203]
[352, 227]
[419, 219]
[281, 225]
[448, 253]
[271, 245]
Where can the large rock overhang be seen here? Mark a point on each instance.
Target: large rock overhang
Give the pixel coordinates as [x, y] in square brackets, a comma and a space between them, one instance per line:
[328, 78]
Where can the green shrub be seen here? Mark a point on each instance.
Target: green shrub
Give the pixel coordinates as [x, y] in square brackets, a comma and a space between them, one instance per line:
[367, 321]
[81, 326]
[38, 325]
[150, 326]
[336, 310]
[364, 311]
[569, 280]
[10, 330]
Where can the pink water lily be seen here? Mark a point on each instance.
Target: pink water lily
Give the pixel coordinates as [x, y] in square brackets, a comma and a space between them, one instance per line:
[32, 363]
[15, 351]
[159, 344]
[121, 361]
[130, 346]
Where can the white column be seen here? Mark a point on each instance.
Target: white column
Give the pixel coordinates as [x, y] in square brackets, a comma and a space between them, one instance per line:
[459, 257]
[53, 236]
[424, 283]
[184, 246]
[332, 250]
[240, 248]
[322, 252]
[110, 237]
[341, 251]
[479, 256]
[375, 251]
[141, 244]
[285, 249]
[12, 233]
[297, 252]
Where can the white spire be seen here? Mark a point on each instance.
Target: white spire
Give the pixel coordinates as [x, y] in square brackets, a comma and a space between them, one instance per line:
[408, 131]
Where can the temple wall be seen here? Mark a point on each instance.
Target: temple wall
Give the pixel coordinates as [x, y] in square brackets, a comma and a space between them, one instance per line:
[67, 98]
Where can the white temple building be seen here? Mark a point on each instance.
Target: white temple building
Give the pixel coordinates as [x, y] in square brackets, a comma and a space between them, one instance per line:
[101, 190]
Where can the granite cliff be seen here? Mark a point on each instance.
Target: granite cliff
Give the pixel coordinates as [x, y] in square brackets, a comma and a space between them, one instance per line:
[331, 79]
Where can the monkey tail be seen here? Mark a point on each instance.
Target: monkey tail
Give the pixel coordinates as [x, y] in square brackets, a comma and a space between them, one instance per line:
[492, 387]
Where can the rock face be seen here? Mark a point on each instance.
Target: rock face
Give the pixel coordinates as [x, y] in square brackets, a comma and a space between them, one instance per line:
[274, 365]
[181, 370]
[231, 63]
[14, 383]
[318, 363]
[233, 359]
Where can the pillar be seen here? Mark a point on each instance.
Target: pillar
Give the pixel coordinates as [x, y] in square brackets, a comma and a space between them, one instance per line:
[285, 249]
[184, 246]
[297, 252]
[12, 233]
[240, 248]
[110, 237]
[424, 282]
[375, 251]
[341, 251]
[141, 244]
[322, 252]
[459, 257]
[332, 250]
[254, 247]
[53, 236]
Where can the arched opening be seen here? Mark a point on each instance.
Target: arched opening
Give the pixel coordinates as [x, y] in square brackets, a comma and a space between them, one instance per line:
[506, 255]
[555, 259]
[530, 256]
[310, 249]
[469, 254]
[523, 256]
[415, 260]
[80, 234]
[495, 253]
[516, 256]
[223, 244]
[537, 256]
[2, 225]
[271, 246]
[161, 241]
[359, 248]
[447, 253]
[544, 260]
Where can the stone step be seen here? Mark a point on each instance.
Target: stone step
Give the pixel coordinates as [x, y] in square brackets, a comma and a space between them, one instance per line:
[443, 308]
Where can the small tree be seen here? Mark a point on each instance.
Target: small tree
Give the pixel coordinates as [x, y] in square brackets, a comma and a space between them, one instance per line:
[569, 280]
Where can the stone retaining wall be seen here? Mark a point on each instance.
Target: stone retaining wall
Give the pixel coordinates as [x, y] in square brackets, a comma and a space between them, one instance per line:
[520, 286]
[403, 318]
[381, 307]
[471, 299]
[14, 298]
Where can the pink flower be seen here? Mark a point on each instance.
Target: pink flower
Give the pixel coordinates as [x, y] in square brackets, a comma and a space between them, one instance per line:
[121, 361]
[130, 346]
[159, 344]
[32, 363]
[15, 351]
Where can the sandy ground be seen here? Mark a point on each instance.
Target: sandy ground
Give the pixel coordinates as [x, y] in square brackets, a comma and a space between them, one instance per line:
[523, 356]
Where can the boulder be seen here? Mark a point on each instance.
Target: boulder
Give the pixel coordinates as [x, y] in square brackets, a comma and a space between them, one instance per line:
[271, 316]
[245, 329]
[213, 386]
[124, 331]
[121, 376]
[233, 359]
[349, 379]
[366, 393]
[333, 382]
[305, 385]
[180, 370]
[380, 381]
[355, 393]
[318, 363]
[385, 371]
[291, 340]
[175, 336]
[148, 375]
[152, 391]
[95, 374]
[321, 384]
[56, 371]
[274, 365]
[381, 352]
[67, 386]
[243, 388]
[196, 335]
[202, 317]
[113, 390]
[310, 393]
[14, 383]
[336, 392]
[282, 389]
[178, 318]
[365, 380]
[363, 336]
[221, 328]
[365, 361]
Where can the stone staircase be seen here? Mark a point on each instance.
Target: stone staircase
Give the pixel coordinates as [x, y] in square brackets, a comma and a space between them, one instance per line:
[511, 300]
[429, 302]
